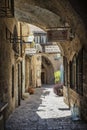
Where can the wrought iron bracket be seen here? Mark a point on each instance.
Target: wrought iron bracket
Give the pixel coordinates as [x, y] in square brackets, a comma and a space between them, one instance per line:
[12, 37]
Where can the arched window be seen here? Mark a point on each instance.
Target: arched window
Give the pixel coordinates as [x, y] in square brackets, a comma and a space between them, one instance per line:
[7, 8]
[73, 73]
[76, 73]
[65, 63]
[79, 72]
[12, 80]
[15, 40]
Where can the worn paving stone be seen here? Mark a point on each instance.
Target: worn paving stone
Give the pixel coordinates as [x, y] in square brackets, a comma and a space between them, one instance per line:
[43, 111]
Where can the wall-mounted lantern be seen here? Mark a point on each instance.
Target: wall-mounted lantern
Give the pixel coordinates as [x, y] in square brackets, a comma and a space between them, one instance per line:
[71, 34]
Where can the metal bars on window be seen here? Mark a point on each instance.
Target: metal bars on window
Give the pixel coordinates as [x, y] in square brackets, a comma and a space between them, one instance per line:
[76, 73]
[65, 63]
[40, 38]
[7, 8]
[12, 80]
[79, 72]
[73, 73]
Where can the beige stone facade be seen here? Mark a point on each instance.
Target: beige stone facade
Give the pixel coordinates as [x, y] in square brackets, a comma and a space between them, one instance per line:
[18, 71]
[8, 65]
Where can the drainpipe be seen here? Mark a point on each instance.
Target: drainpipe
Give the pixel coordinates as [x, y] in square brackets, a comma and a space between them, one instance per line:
[68, 85]
[23, 64]
[68, 94]
[23, 75]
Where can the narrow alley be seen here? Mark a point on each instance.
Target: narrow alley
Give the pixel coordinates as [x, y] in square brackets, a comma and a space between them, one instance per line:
[43, 42]
[43, 111]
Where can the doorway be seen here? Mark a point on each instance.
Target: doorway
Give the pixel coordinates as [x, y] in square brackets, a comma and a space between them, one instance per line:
[43, 78]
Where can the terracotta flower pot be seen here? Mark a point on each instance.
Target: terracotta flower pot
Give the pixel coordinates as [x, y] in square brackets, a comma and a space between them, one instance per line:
[31, 90]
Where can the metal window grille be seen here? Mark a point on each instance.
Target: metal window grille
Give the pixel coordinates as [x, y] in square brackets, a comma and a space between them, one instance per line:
[7, 8]
[65, 63]
[40, 38]
[79, 70]
[73, 73]
[12, 80]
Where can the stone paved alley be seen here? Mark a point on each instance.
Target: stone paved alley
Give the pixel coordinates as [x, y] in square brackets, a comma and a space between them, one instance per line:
[43, 111]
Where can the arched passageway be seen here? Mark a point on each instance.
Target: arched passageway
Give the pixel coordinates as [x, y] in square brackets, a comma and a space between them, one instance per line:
[47, 74]
[49, 15]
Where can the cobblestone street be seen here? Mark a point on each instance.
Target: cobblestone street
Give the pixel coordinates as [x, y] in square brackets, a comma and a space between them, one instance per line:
[43, 111]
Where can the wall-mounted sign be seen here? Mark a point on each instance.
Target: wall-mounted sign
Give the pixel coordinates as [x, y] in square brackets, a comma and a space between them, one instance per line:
[30, 51]
[57, 35]
[52, 49]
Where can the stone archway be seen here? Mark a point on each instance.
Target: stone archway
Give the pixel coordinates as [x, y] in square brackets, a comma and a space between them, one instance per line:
[53, 14]
[47, 73]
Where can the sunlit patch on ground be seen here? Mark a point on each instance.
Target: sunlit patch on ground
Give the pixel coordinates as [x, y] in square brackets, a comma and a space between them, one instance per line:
[43, 111]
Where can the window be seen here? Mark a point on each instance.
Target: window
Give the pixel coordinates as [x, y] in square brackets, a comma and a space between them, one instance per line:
[12, 80]
[65, 71]
[15, 40]
[79, 71]
[76, 73]
[73, 73]
[40, 38]
[7, 8]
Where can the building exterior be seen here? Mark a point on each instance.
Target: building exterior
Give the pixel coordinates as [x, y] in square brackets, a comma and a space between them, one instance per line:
[20, 70]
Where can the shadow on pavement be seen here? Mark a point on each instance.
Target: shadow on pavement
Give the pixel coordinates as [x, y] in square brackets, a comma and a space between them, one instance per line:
[34, 114]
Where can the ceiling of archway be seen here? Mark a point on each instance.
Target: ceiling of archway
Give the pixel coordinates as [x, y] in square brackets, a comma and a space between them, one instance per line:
[38, 16]
[37, 13]
[80, 7]
[52, 13]
[48, 12]
[42, 13]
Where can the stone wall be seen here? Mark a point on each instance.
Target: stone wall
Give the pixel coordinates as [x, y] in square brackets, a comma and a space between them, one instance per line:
[7, 62]
[36, 68]
[71, 96]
